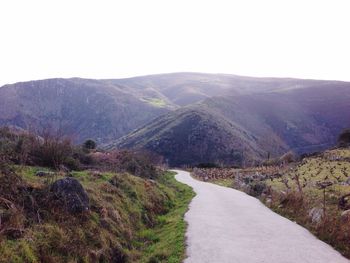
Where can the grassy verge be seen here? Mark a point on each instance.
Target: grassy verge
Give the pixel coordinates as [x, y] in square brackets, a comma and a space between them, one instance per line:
[170, 233]
[130, 219]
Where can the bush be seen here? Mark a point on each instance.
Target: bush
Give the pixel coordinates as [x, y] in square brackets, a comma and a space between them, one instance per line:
[89, 144]
[139, 163]
[344, 138]
[72, 163]
[208, 165]
[52, 152]
[288, 157]
[257, 188]
[83, 157]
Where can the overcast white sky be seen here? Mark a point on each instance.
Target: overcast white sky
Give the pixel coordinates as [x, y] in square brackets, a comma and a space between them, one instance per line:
[113, 39]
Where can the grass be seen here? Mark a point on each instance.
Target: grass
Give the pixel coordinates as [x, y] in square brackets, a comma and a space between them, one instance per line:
[170, 233]
[130, 220]
[227, 182]
[155, 102]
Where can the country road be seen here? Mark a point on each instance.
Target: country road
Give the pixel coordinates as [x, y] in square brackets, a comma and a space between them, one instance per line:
[228, 226]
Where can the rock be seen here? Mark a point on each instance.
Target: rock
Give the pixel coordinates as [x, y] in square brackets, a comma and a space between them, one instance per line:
[345, 215]
[72, 195]
[43, 173]
[316, 215]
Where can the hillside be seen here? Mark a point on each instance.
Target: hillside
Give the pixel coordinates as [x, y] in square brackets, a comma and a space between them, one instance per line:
[248, 126]
[129, 219]
[80, 108]
[192, 135]
[186, 88]
[304, 120]
[254, 117]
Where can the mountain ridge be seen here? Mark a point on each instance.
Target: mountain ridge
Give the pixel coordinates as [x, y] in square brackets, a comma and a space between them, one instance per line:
[279, 114]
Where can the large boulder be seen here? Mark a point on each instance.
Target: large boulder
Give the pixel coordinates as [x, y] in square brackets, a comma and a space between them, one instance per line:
[71, 195]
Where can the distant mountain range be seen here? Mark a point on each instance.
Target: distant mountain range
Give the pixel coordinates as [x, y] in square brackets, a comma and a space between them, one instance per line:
[188, 118]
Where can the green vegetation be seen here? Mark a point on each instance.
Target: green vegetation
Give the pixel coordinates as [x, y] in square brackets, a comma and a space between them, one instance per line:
[227, 182]
[170, 233]
[155, 102]
[131, 219]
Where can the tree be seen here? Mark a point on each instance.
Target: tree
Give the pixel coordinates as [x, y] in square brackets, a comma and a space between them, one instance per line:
[344, 138]
[89, 144]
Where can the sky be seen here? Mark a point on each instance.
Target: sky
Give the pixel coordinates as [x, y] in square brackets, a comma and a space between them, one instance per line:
[116, 39]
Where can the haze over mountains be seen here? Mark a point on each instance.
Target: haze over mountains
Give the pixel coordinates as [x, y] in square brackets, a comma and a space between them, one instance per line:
[188, 118]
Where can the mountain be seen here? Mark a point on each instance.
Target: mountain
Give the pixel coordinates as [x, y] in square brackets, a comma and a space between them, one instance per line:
[187, 117]
[191, 135]
[80, 108]
[248, 126]
[186, 88]
[305, 119]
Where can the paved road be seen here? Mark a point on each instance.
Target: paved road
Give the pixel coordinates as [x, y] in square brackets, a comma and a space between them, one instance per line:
[226, 225]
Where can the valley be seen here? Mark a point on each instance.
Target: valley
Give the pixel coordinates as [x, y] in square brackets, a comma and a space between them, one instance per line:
[84, 167]
[182, 115]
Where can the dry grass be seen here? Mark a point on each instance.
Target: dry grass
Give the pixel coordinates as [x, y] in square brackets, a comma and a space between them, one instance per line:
[294, 190]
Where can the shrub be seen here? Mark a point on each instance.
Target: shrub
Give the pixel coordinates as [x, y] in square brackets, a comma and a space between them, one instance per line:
[89, 144]
[139, 163]
[72, 163]
[207, 165]
[344, 138]
[287, 157]
[52, 152]
[82, 156]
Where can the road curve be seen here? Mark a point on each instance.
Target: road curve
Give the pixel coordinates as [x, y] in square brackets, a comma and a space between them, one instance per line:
[226, 225]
